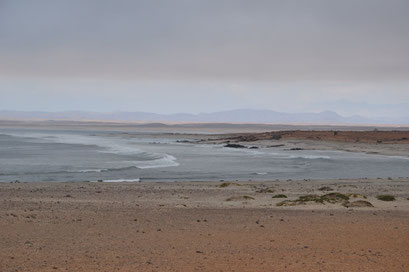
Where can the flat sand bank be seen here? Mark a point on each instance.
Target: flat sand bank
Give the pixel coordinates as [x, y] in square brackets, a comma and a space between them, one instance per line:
[391, 143]
[206, 226]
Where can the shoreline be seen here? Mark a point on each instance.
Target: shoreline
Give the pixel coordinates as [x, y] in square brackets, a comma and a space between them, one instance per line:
[222, 225]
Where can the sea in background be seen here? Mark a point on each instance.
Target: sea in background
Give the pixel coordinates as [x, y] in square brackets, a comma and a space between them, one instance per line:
[36, 154]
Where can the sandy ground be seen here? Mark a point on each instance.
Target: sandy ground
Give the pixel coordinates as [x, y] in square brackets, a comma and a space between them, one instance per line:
[202, 227]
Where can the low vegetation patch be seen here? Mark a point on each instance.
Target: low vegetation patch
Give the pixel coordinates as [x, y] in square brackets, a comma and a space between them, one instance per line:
[227, 184]
[329, 198]
[356, 195]
[386, 197]
[240, 198]
[279, 196]
[334, 198]
[326, 188]
[265, 190]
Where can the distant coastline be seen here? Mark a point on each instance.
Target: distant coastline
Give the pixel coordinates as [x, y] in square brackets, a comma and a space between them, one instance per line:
[240, 116]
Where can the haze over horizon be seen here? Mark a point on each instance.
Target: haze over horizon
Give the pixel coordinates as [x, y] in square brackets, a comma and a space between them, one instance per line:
[167, 57]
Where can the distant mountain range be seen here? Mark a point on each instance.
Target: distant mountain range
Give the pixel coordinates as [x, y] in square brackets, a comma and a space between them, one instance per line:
[233, 116]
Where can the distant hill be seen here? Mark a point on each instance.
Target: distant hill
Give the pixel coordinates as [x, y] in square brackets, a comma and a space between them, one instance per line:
[233, 116]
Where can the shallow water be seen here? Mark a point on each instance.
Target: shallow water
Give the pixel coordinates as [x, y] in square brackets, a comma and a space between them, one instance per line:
[47, 155]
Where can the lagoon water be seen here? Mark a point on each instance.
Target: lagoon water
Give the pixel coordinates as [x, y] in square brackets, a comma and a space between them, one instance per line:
[31, 155]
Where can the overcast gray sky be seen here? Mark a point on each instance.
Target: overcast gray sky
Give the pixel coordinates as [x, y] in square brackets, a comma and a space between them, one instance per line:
[183, 55]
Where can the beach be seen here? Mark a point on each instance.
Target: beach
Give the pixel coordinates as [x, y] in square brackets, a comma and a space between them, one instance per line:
[121, 197]
[203, 226]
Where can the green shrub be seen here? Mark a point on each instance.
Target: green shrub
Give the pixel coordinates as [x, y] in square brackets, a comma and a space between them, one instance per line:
[386, 197]
[279, 196]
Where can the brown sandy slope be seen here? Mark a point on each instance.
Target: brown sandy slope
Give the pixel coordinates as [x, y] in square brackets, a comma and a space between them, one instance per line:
[191, 227]
[337, 136]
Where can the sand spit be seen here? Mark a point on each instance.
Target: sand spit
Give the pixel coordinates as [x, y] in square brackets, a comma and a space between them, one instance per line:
[374, 136]
[205, 226]
[392, 143]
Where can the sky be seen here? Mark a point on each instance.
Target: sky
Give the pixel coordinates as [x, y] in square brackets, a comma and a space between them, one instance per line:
[162, 56]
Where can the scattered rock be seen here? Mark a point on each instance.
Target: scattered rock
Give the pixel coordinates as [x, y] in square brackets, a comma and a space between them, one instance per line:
[278, 145]
[275, 137]
[184, 141]
[28, 243]
[235, 146]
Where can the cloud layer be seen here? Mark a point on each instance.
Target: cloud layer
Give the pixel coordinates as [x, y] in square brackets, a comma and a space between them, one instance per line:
[201, 56]
[216, 40]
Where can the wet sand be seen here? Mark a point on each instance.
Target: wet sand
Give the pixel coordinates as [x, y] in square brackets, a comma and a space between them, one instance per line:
[204, 226]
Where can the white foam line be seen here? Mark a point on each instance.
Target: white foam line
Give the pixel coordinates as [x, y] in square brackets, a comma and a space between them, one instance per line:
[118, 180]
[87, 171]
